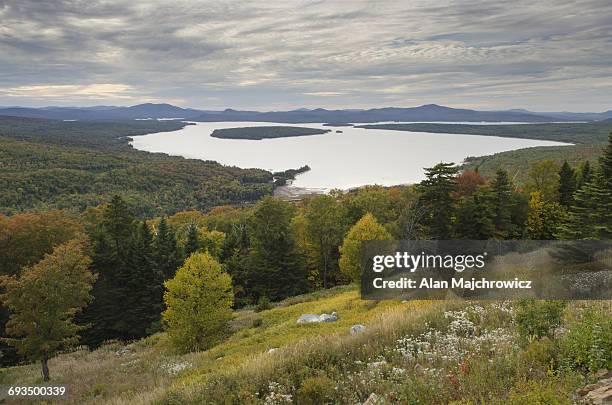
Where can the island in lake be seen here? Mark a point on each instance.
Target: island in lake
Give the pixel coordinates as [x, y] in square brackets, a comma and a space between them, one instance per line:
[337, 124]
[258, 133]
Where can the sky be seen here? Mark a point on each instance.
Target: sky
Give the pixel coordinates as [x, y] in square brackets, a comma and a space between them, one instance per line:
[545, 55]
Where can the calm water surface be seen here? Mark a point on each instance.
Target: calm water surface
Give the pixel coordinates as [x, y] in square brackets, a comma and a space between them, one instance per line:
[352, 158]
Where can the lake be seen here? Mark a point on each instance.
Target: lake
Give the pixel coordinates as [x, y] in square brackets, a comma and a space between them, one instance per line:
[353, 158]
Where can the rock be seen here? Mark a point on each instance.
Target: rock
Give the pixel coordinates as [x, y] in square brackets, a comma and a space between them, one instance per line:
[355, 329]
[313, 318]
[372, 399]
[599, 393]
[272, 350]
[328, 318]
[308, 318]
[123, 351]
[603, 373]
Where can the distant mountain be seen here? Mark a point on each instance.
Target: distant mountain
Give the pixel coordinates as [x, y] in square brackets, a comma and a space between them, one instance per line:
[570, 116]
[424, 113]
[430, 112]
[140, 111]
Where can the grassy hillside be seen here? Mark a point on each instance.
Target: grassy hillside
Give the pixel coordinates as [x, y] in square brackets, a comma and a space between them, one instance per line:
[412, 352]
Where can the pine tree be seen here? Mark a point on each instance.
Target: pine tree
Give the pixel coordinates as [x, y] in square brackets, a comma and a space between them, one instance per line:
[325, 227]
[590, 217]
[502, 204]
[436, 195]
[112, 247]
[475, 215]
[192, 244]
[165, 250]
[585, 174]
[276, 269]
[567, 184]
[145, 285]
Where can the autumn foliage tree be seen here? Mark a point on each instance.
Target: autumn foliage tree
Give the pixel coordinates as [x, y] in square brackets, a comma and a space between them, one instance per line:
[43, 301]
[199, 303]
[367, 228]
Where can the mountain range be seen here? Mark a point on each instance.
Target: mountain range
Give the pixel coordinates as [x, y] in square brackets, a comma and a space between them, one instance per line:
[424, 113]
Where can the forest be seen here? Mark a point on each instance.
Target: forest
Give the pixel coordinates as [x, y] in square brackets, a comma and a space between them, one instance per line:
[49, 164]
[276, 249]
[258, 133]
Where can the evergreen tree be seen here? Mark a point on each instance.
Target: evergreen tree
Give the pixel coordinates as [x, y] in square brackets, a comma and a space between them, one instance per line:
[165, 250]
[590, 217]
[436, 196]
[502, 204]
[276, 269]
[112, 247]
[325, 227]
[192, 244]
[567, 184]
[475, 215]
[145, 285]
[585, 174]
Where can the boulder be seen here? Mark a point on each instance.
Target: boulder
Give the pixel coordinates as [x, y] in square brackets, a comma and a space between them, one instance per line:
[372, 399]
[333, 317]
[314, 318]
[355, 329]
[308, 318]
[599, 393]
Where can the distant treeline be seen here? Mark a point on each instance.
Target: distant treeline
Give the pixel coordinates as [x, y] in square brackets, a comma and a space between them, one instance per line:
[258, 133]
[280, 178]
[583, 133]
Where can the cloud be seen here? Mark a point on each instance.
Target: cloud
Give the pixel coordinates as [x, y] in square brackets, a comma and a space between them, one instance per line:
[256, 54]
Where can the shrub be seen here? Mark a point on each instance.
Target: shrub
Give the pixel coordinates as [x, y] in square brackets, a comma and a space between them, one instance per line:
[537, 319]
[588, 343]
[263, 304]
[257, 322]
[316, 391]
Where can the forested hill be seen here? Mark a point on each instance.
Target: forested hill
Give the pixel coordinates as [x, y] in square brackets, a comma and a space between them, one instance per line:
[258, 133]
[581, 133]
[56, 164]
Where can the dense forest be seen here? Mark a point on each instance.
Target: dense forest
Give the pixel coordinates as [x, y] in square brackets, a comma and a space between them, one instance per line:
[49, 164]
[258, 133]
[277, 249]
[582, 133]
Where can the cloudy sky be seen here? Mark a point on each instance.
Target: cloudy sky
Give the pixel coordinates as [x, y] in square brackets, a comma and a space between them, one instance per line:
[543, 55]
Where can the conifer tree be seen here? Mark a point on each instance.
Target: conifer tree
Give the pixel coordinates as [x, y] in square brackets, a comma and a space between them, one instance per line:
[502, 202]
[475, 215]
[112, 247]
[192, 244]
[436, 195]
[165, 250]
[145, 285]
[567, 184]
[276, 269]
[585, 174]
[590, 216]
